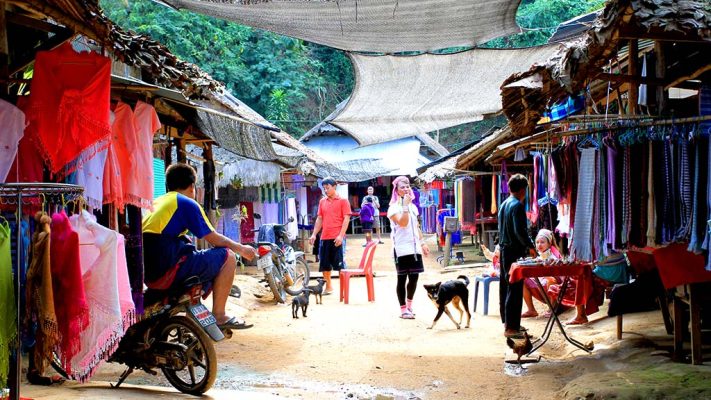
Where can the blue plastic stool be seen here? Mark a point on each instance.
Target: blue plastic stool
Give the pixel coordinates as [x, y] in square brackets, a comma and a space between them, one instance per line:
[486, 280]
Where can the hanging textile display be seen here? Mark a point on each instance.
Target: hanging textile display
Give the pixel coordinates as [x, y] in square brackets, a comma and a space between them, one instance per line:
[119, 161]
[494, 195]
[626, 227]
[700, 209]
[28, 164]
[12, 121]
[40, 293]
[100, 276]
[72, 316]
[159, 188]
[8, 308]
[139, 143]
[270, 193]
[69, 105]
[684, 201]
[90, 176]
[581, 247]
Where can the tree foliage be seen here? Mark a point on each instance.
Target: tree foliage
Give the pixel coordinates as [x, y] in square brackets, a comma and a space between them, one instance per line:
[291, 82]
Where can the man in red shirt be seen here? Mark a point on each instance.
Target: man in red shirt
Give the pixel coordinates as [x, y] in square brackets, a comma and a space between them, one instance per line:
[334, 215]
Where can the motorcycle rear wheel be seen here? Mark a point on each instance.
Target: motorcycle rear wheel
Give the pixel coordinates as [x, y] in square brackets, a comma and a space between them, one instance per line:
[200, 353]
[276, 286]
[300, 274]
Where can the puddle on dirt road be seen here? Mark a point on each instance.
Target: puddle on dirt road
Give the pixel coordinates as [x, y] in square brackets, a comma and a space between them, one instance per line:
[515, 370]
[233, 377]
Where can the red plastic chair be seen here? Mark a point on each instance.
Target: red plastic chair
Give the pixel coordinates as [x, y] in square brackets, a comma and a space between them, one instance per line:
[364, 269]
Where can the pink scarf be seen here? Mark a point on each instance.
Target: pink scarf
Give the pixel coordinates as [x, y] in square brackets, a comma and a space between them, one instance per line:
[69, 298]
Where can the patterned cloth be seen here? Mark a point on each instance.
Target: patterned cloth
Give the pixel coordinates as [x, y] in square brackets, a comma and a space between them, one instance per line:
[684, 204]
[582, 247]
[700, 209]
[626, 201]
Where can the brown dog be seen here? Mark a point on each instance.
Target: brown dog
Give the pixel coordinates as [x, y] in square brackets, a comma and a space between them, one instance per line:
[455, 292]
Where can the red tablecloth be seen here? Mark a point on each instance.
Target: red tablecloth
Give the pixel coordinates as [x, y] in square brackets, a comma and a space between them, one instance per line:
[583, 273]
[675, 264]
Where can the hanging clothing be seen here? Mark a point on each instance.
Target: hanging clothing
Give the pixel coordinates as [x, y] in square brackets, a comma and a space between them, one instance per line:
[139, 143]
[684, 201]
[700, 209]
[611, 213]
[100, 275]
[651, 208]
[119, 160]
[90, 176]
[582, 246]
[40, 293]
[626, 201]
[494, 198]
[28, 157]
[70, 105]
[8, 308]
[67, 283]
[12, 123]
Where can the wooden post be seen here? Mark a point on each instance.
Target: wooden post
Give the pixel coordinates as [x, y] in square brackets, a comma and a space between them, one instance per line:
[660, 72]
[180, 145]
[633, 62]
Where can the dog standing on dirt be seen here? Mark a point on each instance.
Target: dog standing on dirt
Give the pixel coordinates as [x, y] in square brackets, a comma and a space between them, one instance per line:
[302, 301]
[317, 290]
[455, 292]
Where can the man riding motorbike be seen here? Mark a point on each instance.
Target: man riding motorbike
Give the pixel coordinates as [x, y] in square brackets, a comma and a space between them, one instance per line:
[169, 256]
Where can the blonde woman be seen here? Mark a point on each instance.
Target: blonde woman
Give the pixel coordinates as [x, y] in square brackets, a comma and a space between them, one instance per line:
[408, 243]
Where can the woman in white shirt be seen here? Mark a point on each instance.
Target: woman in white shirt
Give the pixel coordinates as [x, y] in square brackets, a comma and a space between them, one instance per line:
[408, 243]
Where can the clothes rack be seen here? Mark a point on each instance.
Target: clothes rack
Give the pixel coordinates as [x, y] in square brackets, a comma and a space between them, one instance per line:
[18, 194]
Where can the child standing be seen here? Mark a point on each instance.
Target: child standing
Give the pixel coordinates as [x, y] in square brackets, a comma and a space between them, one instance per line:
[367, 215]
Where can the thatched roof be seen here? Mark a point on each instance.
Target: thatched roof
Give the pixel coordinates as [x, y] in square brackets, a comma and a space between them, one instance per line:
[371, 25]
[481, 150]
[402, 96]
[526, 95]
[445, 166]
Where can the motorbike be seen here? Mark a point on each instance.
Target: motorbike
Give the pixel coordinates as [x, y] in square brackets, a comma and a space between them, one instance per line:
[175, 335]
[285, 269]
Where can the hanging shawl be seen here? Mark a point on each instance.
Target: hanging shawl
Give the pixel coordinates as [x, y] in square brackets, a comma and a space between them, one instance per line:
[494, 198]
[70, 105]
[70, 299]
[626, 200]
[8, 309]
[700, 211]
[651, 208]
[101, 283]
[684, 203]
[581, 247]
[40, 293]
[610, 232]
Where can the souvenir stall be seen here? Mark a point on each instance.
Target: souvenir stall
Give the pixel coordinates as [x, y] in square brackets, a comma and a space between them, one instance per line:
[629, 168]
[82, 153]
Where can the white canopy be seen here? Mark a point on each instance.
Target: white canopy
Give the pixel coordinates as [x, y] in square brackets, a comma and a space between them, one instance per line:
[400, 96]
[386, 26]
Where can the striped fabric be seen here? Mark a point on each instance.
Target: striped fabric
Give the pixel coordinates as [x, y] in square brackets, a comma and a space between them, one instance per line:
[158, 178]
[705, 108]
[684, 198]
[581, 247]
[626, 200]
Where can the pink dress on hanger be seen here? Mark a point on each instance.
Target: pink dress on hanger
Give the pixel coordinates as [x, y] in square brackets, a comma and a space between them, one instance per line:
[119, 161]
[139, 190]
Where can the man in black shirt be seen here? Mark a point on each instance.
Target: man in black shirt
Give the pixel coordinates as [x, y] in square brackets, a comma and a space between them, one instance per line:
[515, 243]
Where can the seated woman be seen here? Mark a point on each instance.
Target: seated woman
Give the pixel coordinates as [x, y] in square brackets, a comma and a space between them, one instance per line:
[605, 274]
[547, 252]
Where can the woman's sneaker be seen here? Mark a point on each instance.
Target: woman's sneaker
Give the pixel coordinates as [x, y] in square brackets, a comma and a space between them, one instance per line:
[407, 315]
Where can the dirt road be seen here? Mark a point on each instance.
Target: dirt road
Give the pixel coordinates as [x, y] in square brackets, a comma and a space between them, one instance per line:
[364, 350]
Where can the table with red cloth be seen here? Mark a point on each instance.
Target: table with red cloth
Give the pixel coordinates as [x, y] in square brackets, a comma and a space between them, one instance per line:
[583, 274]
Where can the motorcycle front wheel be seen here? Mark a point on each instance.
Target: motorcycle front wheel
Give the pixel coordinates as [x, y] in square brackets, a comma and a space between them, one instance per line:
[194, 369]
[276, 286]
[300, 274]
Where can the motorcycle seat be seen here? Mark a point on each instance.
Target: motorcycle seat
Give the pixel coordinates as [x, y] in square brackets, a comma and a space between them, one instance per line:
[152, 296]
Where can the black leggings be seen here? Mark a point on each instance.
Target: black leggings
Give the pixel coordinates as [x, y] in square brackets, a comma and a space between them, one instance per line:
[411, 286]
